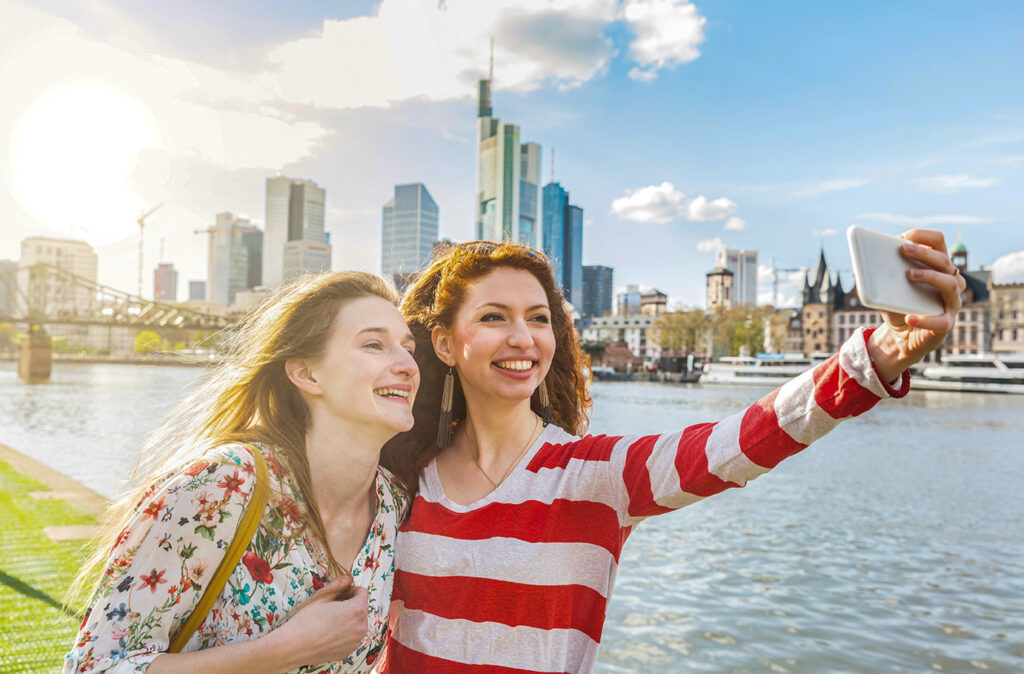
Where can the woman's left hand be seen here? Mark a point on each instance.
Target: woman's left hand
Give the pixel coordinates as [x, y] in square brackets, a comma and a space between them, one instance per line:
[905, 339]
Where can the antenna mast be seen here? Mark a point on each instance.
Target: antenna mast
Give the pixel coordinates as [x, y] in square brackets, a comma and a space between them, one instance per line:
[552, 164]
[490, 73]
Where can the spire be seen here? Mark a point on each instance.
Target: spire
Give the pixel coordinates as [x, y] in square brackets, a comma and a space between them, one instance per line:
[484, 105]
[821, 270]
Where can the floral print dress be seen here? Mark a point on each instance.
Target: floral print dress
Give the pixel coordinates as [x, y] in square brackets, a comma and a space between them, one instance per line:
[161, 562]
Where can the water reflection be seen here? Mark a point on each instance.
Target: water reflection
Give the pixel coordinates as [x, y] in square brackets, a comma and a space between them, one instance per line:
[894, 544]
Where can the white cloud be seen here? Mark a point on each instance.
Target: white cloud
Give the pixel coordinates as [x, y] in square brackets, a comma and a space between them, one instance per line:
[1009, 268]
[950, 184]
[642, 75]
[655, 203]
[735, 223]
[836, 185]
[710, 245]
[825, 232]
[668, 32]
[702, 210]
[996, 139]
[905, 220]
[1012, 160]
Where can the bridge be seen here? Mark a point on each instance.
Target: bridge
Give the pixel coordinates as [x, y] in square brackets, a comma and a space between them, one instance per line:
[43, 295]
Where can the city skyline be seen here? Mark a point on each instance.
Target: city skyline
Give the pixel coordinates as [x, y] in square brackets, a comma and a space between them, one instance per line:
[712, 124]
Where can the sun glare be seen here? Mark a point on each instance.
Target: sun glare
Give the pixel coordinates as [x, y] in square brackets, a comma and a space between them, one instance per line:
[72, 154]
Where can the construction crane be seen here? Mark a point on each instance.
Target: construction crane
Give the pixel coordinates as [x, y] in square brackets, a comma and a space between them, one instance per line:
[775, 279]
[142, 224]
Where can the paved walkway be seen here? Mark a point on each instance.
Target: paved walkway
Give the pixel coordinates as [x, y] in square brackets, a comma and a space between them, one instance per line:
[46, 518]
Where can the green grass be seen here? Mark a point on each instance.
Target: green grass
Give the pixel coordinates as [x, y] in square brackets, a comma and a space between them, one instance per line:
[35, 632]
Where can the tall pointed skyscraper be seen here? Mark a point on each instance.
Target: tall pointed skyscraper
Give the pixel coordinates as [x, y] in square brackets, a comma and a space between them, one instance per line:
[508, 178]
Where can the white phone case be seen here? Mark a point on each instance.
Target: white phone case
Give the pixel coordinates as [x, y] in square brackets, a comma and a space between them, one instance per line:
[881, 275]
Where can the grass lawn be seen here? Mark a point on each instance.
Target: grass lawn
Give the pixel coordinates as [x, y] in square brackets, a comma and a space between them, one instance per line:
[35, 632]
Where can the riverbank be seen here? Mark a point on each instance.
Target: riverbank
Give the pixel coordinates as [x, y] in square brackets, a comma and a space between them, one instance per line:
[41, 549]
[123, 360]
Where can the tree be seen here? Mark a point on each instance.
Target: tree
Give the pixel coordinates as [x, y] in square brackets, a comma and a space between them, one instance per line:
[679, 331]
[8, 333]
[147, 341]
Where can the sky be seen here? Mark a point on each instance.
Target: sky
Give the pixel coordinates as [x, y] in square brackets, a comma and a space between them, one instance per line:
[679, 127]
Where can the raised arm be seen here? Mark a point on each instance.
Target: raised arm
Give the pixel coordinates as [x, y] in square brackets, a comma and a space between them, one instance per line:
[659, 473]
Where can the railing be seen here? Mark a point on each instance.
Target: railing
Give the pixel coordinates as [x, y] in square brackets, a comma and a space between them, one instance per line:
[43, 294]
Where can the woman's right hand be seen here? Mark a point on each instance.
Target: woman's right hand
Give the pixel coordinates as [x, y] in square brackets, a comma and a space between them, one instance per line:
[326, 628]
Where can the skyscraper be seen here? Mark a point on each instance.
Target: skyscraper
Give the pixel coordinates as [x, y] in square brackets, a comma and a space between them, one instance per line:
[408, 230]
[597, 290]
[294, 213]
[743, 265]
[165, 283]
[228, 267]
[508, 178]
[562, 240]
[196, 290]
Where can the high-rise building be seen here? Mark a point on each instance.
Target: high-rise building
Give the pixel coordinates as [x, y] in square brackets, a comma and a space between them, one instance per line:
[75, 257]
[743, 265]
[294, 212]
[165, 283]
[597, 290]
[628, 302]
[229, 262]
[562, 240]
[252, 240]
[508, 178]
[306, 257]
[408, 230]
[196, 290]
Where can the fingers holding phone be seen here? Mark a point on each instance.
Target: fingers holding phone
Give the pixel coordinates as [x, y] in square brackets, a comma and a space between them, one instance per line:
[927, 248]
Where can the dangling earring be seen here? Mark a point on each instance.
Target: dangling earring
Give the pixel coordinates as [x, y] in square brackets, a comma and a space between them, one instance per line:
[444, 424]
[545, 402]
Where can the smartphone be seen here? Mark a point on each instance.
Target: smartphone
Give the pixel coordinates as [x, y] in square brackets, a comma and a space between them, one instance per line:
[881, 275]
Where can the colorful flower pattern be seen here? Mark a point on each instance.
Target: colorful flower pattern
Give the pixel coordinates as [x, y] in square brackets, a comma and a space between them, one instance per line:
[161, 562]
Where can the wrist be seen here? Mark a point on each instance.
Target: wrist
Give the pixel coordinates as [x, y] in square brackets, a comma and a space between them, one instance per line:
[275, 647]
[886, 355]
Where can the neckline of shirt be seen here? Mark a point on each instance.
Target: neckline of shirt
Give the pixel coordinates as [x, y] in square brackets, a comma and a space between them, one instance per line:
[436, 491]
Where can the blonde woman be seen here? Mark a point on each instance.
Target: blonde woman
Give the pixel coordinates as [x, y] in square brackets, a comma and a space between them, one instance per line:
[319, 378]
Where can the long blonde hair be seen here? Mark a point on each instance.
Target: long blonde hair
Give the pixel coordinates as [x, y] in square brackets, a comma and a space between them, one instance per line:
[247, 398]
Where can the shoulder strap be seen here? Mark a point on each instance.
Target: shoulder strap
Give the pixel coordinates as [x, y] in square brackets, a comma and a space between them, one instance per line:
[243, 536]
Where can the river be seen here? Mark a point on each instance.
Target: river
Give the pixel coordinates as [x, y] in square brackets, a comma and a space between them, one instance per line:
[894, 544]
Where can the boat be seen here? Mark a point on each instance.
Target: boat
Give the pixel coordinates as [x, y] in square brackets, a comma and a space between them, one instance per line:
[765, 369]
[974, 373]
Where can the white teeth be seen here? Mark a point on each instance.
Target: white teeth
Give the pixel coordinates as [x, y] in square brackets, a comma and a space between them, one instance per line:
[392, 393]
[517, 365]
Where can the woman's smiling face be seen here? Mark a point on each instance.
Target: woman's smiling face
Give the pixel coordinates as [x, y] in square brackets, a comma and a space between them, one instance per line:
[500, 341]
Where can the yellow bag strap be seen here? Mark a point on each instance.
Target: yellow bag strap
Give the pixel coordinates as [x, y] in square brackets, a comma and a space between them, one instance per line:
[243, 536]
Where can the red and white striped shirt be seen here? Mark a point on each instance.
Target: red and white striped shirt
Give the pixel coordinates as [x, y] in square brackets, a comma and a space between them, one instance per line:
[520, 580]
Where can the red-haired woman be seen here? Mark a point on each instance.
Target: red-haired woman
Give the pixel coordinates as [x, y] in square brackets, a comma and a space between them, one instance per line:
[509, 554]
[318, 379]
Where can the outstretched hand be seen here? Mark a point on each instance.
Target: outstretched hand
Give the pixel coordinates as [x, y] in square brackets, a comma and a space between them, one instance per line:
[905, 339]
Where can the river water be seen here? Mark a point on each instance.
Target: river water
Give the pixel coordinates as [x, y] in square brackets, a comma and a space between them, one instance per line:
[894, 544]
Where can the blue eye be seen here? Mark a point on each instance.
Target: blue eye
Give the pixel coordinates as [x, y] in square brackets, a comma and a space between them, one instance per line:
[376, 346]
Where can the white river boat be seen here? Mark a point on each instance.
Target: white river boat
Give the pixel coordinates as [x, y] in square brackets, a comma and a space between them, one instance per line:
[973, 373]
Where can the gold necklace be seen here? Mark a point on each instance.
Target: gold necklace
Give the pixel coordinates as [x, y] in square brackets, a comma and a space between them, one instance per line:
[529, 441]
